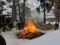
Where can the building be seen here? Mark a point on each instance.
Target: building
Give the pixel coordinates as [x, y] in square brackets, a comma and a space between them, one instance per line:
[3, 18]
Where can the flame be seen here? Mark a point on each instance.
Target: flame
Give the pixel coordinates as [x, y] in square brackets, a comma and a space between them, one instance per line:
[29, 28]
[29, 31]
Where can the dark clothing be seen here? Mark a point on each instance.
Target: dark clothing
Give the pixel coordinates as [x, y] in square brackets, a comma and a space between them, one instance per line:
[10, 25]
[2, 40]
[56, 25]
[20, 25]
[47, 4]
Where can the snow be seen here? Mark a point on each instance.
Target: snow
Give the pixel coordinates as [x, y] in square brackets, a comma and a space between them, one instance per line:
[50, 15]
[11, 38]
[32, 4]
[8, 9]
[52, 38]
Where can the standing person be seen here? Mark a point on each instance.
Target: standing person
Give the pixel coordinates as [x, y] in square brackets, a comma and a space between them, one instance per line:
[2, 40]
[56, 25]
[19, 24]
[10, 25]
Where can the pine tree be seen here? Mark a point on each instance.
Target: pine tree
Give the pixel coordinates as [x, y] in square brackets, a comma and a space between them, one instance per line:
[2, 3]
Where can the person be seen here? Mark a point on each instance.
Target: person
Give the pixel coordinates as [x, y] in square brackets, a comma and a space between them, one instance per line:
[10, 25]
[56, 25]
[19, 24]
[2, 40]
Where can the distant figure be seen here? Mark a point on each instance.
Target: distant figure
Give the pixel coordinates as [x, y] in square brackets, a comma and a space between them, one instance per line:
[56, 25]
[10, 25]
[2, 40]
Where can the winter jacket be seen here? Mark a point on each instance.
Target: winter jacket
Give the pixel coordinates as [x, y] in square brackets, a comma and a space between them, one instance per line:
[2, 40]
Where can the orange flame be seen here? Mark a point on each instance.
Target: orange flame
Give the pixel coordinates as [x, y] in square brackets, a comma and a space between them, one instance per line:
[29, 31]
[29, 28]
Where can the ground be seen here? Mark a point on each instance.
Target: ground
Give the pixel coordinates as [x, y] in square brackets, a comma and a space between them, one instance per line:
[11, 39]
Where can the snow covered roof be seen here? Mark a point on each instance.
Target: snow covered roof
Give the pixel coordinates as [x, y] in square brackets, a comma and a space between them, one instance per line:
[5, 15]
[50, 14]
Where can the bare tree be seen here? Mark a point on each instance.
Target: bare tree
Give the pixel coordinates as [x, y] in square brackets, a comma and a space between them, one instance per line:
[23, 12]
[13, 11]
[19, 9]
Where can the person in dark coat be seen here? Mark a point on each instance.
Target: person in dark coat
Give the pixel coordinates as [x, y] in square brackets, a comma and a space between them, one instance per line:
[19, 25]
[56, 25]
[2, 40]
[10, 25]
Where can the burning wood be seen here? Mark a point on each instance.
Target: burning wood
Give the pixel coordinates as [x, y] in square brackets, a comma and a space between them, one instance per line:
[30, 31]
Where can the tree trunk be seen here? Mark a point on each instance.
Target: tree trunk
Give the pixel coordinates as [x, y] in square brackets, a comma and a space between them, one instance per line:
[19, 9]
[23, 13]
[14, 11]
[44, 13]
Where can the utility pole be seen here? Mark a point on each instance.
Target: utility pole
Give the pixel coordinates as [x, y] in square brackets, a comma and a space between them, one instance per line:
[44, 13]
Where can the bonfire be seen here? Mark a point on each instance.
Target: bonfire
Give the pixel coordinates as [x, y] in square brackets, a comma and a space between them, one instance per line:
[29, 31]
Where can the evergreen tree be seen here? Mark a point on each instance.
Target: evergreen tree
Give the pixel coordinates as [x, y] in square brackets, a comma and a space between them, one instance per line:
[2, 3]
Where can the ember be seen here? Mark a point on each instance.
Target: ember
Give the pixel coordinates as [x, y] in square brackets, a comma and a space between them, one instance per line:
[30, 31]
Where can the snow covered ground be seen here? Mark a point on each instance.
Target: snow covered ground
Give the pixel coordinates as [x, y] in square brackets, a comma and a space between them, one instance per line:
[50, 38]
[11, 38]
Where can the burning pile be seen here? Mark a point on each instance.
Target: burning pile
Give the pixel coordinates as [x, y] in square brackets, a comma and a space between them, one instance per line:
[30, 31]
